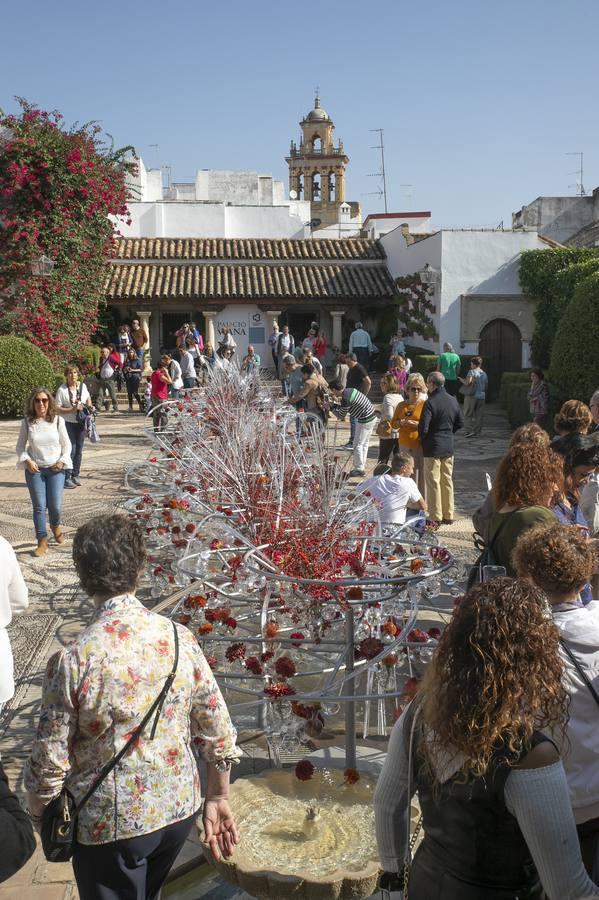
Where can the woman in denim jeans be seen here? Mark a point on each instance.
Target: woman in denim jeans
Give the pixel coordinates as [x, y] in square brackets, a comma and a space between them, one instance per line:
[71, 397]
[44, 451]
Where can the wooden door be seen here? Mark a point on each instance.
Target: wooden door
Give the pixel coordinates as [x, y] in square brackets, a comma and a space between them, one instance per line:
[500, 346]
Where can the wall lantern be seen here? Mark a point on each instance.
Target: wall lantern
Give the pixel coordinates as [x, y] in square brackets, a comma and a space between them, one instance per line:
[429, 275]
[42, 266]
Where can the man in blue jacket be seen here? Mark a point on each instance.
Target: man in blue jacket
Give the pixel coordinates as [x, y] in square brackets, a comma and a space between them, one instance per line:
[441, 417]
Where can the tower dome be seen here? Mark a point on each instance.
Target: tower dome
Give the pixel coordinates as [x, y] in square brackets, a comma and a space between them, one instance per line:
[317, 114]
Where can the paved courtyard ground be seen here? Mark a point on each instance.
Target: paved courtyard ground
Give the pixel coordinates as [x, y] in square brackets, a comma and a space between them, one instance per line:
[58, 610]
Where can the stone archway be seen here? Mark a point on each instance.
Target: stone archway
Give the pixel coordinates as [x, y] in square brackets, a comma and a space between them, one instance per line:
[500, 345]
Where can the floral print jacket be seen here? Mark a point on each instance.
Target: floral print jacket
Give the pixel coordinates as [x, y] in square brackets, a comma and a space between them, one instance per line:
[96, 691]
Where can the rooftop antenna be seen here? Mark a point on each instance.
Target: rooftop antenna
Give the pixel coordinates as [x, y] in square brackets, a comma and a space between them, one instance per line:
[168, 170]
[580, 191]
[380, 146]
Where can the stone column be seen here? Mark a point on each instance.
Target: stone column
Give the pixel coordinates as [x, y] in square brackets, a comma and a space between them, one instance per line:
[307, 184]
[144, 321]
[210, 335]
[340, 186]
[324, 188]
[337, 315]
[272, 316]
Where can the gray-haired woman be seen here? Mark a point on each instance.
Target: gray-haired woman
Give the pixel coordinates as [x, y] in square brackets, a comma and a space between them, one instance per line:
[96, 692]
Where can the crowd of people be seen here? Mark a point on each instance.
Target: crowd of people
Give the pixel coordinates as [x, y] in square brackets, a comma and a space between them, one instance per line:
[502, 739]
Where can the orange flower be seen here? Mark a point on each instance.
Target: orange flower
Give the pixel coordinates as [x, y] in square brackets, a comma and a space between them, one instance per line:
[416, 565]
[350, 776]
[271, 630]
[205, 628]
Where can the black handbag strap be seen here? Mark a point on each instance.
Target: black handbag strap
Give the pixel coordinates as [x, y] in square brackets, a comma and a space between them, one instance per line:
[156, 707]
[580, 670]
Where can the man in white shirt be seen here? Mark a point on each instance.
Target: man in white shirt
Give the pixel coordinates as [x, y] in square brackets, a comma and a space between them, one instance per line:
[361, 344]
[394, 491]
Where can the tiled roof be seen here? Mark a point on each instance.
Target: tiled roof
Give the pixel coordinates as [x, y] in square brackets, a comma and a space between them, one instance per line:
[152, 281]
[250, 249]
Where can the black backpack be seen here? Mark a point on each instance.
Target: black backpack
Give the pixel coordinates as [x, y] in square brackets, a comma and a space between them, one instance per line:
[486, 558]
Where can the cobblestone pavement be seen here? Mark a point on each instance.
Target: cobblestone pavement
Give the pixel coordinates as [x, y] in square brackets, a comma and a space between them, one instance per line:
[54, 590]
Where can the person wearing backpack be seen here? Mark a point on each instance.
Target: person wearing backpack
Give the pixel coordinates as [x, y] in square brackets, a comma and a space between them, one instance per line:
[314, 393]
[72, 398]
[528, 477]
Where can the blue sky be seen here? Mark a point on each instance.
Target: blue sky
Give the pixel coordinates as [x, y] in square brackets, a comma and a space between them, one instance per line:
[479, 101]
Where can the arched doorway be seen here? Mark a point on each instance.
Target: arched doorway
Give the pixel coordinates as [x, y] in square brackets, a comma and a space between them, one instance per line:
[500, 345]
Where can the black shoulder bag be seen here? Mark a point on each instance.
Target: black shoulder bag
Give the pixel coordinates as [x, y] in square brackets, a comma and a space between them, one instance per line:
[59, 821]
[486, 558]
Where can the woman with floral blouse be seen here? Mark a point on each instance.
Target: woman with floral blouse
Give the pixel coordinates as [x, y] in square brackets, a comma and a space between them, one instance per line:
[96, 692]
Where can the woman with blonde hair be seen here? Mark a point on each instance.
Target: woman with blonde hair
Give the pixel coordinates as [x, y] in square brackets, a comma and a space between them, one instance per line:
[573, 416]
[405, 420]
[492, 788]
[44, 451]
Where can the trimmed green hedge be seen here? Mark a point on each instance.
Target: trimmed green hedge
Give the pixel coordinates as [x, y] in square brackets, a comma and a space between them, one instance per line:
[24, 368]
[575, 352]
[550, 277]
[507, 380]
[516, 403]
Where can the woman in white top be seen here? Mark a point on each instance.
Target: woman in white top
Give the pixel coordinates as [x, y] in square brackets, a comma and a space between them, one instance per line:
[561, 561]
[13, 599]
[70, 398]
[44, 451]
[388, 438]
[174, 370]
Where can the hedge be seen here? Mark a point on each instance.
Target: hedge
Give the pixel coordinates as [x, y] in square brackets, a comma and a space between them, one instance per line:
[24, 368]
[517, 406]
[508, 379]
[550, 277]
[575, 354]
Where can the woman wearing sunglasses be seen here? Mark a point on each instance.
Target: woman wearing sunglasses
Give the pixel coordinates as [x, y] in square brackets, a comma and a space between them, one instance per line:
[44, 451]
[405, 420]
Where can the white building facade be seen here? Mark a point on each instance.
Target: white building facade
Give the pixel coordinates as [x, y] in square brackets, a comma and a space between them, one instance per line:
[479, 306]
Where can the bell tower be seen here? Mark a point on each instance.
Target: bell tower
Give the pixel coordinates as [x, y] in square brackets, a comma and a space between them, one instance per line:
[317, 167]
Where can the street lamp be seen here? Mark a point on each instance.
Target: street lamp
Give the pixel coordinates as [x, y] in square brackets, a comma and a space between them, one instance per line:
[429, 275]
[42, 266]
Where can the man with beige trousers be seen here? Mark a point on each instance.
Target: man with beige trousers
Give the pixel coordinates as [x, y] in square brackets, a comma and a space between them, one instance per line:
[441, 417]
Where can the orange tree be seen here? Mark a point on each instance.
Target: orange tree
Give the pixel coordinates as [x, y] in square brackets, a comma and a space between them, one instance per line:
[58, 187]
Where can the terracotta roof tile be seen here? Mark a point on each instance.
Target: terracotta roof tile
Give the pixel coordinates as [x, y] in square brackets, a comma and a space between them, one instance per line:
[239, 249]
[154, 281]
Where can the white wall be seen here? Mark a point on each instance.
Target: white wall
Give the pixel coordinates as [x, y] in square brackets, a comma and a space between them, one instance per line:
[216, 220]
[478, 262]
[378, 227]
[405, 260]
[240, 319]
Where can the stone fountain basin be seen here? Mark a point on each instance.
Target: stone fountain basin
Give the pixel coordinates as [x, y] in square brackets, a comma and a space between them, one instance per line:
[283, 852]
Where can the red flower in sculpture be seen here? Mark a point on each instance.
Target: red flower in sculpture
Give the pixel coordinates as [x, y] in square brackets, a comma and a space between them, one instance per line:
[304, 770]
[350, 776]
[285, 667]
[254, 665]
[235, 651]
[370, 647]
[279, 689]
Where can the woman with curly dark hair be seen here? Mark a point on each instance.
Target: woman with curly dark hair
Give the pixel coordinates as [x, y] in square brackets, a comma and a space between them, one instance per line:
[492, 789]
[528, 478]
[128, 664]
[561, 561]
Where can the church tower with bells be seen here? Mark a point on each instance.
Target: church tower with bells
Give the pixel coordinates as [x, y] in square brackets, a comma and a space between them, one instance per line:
[317, 167]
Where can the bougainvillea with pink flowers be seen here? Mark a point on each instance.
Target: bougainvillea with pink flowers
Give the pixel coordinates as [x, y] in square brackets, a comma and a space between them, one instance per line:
[58, 186]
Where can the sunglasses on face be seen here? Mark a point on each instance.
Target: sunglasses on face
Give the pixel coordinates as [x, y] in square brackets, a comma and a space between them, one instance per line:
[41, 400]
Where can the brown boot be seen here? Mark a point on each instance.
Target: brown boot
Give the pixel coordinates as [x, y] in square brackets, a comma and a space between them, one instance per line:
[58, 535]
[42, 547]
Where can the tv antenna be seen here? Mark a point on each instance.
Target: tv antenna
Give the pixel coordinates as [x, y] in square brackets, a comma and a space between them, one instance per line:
[580, 191]
[382, 191]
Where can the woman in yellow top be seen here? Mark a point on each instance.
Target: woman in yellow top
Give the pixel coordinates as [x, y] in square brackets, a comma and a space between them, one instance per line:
[405, 420]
